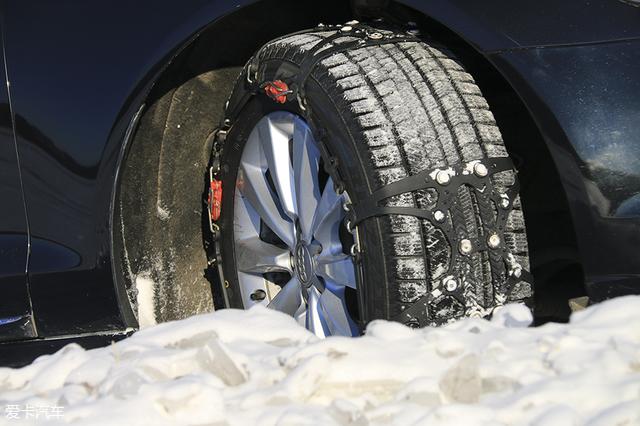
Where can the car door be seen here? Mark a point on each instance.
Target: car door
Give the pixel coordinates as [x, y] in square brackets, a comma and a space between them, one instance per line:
[16, 320]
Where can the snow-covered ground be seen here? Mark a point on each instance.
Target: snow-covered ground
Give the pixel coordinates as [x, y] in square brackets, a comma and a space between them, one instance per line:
[259, 367]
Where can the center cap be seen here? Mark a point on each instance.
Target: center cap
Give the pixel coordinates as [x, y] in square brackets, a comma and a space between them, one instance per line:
[304, 264]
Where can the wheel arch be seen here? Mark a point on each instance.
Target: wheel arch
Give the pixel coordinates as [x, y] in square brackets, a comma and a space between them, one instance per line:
[209, 57]
[450, 26]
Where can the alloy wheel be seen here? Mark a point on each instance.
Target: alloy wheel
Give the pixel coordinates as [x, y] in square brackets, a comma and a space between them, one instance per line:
[289, 234]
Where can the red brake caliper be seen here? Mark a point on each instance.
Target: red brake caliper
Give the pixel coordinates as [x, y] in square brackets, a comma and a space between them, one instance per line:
[214, 200]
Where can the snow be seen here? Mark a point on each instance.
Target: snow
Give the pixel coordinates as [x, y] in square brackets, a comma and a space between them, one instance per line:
[144, 301]
[259, 367]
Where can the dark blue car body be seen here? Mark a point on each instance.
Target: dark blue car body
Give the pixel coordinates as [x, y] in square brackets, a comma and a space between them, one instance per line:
[78, 72]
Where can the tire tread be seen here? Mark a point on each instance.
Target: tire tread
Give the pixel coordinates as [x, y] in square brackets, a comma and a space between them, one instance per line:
[413, 107]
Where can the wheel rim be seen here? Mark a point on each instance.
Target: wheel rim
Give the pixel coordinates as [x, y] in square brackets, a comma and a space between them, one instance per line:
[290, 251]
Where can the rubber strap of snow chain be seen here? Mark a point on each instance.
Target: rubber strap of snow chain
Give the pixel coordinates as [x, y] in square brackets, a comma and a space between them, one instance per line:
[421, 307]
[357, 36]
[440, 216]
[361, 36]
[461, 174]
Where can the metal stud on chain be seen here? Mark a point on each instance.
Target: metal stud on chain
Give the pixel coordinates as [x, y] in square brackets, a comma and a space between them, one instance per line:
[465, 246]
[443, 178]
[493, 241]
[451, 284]
[480, 170]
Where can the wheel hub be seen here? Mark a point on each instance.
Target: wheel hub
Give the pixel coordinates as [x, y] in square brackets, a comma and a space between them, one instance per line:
[304, 264]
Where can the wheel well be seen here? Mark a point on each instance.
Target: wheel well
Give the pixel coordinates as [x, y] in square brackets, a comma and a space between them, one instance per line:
[158, 221]
[186, 103]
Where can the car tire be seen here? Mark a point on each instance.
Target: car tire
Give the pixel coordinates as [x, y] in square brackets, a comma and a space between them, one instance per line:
[386, 112]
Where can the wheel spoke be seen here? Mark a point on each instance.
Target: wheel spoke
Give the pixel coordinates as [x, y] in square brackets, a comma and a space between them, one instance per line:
[326, 222]
[336, 315]
[315, 316]
[274, 137]
[289, 299]
[253, 185]
[339, 269]
[246, 222]
[301, 314]
[306, 163]
[255, 256]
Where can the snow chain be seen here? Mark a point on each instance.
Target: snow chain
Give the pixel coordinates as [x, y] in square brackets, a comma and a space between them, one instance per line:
[445, 182]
